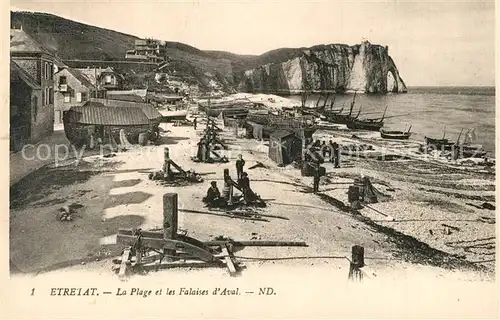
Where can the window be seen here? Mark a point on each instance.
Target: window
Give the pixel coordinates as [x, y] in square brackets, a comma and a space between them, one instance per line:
[62, 80]
[51, 71]
[51, 95]
[67, 97]
[78, 97]
[47, 95]
[84, 96]
[107, 79]
[43, 97]
[46, 71]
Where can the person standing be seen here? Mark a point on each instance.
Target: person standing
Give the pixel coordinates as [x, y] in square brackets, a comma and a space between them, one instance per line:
[240, 163]
[244, 184]
[195, 120]
[336, 154]
[324, 149]
[316, 178]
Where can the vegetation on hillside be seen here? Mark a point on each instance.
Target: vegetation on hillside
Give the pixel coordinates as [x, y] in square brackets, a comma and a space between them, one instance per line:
[73, 40]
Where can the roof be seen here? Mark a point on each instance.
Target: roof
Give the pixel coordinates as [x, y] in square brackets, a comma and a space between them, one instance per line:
[282, 134]
[137, 92]
[149, 110]
[84, 80]
[92, 73]
[126, 97]
[96, 113]
[17, 71]
[20, 41]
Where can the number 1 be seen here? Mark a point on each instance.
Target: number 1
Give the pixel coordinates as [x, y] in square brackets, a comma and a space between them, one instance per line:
[32, 291]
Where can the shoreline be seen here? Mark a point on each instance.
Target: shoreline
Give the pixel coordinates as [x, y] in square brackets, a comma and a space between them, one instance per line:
[125, 194]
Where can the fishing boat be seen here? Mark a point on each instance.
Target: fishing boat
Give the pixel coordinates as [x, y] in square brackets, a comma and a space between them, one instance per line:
[442, 143]
[338, 117]
[366, 124]
[458, 149]
[395, 135]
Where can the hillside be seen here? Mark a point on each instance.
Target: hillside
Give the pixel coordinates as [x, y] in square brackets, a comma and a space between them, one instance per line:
[73, 40]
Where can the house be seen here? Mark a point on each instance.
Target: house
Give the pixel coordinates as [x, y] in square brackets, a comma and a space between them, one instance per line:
[32, 90]
[147, 50]
[73, 88]
[106, 78]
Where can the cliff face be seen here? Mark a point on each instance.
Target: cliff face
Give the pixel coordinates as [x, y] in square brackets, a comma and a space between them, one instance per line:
[363, 68]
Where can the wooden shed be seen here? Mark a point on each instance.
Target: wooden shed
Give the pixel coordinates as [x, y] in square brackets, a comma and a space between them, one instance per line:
[284, 147]
[93, 118]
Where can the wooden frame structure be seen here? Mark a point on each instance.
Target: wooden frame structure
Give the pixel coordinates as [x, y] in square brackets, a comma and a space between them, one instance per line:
[163, 249]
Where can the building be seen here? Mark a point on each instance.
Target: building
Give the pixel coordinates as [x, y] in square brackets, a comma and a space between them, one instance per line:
[73, 88]
[32, 90]
[95, 119]
[147, 50]
[106, 78]
[149, 110]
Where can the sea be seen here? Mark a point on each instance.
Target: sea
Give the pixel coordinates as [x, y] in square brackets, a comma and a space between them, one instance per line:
[431, 111]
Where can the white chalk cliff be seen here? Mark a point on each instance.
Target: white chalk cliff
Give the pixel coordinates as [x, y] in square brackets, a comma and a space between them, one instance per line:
[336, 67]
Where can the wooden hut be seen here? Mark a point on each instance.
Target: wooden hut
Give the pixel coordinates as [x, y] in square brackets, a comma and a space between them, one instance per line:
[93, 118]
[154, 116]
[284, 147]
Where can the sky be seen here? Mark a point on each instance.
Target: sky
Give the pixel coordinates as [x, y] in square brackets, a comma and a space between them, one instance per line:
[433, 43]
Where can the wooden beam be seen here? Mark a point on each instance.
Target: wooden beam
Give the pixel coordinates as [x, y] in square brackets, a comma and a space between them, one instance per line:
[257, 243]
[125, 262]
[229, 261]
[171, 246]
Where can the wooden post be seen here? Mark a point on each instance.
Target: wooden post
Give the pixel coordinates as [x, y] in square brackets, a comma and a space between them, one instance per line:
[358, 256]
[169, 220]
[357, 262]
[166, 162]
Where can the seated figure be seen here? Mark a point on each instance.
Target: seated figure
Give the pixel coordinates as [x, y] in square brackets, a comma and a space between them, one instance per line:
[213, 197]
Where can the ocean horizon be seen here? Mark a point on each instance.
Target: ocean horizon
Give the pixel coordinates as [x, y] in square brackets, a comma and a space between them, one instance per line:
[432, 111]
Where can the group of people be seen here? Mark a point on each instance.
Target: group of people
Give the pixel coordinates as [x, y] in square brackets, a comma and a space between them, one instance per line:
[330, 151]
[322, 152]
[214, 198]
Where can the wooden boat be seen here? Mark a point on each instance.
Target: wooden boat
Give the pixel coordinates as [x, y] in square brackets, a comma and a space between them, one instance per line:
[338, 117]
[460, 150]
[367, 124]
[395, 135]
[442, 143]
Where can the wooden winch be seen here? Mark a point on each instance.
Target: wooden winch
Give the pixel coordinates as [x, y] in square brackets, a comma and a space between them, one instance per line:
[167, 248]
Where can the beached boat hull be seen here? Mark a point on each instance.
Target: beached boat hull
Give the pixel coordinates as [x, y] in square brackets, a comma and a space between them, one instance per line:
[395, 135]
[364, 125]
[439, 143]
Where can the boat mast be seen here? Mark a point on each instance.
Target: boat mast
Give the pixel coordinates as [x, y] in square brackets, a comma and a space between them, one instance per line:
[444, 132]
[460, 135]
[352, 103]
[359, 112]
[383, 115]
[332, 103]
[319, 98]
